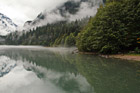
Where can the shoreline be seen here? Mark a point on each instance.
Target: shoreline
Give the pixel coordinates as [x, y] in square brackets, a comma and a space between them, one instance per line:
[131, 57]
[126, 57]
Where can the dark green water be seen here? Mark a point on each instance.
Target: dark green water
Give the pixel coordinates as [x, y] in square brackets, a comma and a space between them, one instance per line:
[57, 70]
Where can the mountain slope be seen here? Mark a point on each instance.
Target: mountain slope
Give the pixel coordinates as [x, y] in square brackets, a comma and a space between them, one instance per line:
[6, 25]
[69, 11]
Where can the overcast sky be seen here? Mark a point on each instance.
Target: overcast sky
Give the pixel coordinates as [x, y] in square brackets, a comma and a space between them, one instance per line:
[22, 10]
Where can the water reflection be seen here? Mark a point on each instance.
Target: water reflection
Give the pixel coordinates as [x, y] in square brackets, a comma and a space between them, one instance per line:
[52, 70]
[110, 75]
[39, 72]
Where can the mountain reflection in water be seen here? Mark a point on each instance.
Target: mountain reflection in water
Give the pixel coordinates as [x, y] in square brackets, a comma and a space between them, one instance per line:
[57, 70]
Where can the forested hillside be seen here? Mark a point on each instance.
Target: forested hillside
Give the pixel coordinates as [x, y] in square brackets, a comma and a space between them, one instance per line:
[115, 28]
[58, 34]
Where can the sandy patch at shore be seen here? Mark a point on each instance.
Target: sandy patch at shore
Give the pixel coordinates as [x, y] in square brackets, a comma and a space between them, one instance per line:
[127, 57]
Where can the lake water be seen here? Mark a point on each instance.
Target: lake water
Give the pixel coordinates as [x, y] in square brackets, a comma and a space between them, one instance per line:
[28, 69]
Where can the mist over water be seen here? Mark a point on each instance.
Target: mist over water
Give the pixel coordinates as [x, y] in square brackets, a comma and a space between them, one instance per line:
[37, 69]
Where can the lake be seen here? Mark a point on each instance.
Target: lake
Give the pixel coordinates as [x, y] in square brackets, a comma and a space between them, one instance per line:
[35, 69]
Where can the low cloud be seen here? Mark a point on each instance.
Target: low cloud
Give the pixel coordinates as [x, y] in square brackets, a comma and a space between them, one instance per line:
[86, 9]
[22, 10]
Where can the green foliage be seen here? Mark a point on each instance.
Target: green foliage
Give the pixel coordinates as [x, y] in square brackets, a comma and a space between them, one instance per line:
[70, 40]
[115, 28]
[56, 34]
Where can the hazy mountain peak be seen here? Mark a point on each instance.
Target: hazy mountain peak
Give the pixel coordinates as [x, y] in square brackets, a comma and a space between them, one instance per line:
[6, 25]
[69, 11]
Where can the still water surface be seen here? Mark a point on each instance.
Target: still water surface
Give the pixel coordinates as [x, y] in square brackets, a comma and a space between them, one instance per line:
[28, 69]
